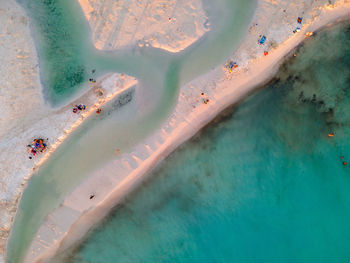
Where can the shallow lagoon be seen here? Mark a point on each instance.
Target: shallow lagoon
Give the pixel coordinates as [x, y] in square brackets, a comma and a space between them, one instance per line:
[67, 56]
[78, 156]
[263, 183]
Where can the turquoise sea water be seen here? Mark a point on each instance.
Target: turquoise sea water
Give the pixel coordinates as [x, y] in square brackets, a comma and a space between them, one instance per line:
[66, 59]
[262, 183]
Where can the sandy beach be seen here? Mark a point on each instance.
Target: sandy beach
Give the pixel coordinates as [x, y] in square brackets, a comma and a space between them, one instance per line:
[27, 116]
[221, 88]
[189, 116]
[172, 25]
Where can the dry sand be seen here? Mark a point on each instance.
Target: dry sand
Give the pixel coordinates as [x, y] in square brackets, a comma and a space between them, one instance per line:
[219, 86]
[19, 73]
[171, 25]
[27, 116]
[24, 113]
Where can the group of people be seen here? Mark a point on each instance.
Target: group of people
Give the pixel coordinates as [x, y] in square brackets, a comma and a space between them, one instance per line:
[79, 107]
[231, 65]
[82, 107]
[205, 100]
[299, 20]
[37, 146]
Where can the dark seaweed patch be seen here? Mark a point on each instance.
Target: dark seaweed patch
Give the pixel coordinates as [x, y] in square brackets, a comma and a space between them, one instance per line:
[61, 62]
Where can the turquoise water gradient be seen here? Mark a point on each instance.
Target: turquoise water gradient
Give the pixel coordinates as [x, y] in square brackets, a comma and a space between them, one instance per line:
[67, 58]
[263, 183]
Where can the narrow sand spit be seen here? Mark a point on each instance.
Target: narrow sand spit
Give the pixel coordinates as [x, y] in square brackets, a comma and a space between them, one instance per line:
[24, 113]
[55, 124]
[219, 86]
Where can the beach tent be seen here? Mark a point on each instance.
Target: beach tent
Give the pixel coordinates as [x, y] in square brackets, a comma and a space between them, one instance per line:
[262, 40]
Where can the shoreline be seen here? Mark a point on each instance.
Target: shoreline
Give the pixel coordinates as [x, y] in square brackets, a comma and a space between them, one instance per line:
[259, 72]
[84, 115]
[51, 123]
[112, 85]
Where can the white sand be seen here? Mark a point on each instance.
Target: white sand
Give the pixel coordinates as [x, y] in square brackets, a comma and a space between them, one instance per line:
[19, 73]
[190, 114]
[54, 124]
[24, 113]
[171, 25]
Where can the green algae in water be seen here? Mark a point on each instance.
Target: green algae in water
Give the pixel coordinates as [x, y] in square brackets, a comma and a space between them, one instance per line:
[67, 56]
[159, 72]
[263, 183]
[61, 36]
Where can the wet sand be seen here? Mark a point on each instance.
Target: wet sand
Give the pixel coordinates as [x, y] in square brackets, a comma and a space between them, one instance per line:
[179, 127]
[219, 86]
